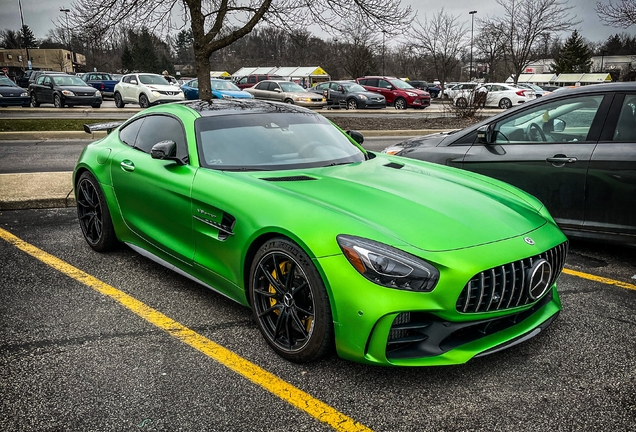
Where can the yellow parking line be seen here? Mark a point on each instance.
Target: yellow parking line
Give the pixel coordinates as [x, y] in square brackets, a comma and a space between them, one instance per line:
[600, 279]
[229, 359]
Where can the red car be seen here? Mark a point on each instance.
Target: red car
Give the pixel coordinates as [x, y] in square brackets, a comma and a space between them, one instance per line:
[398, 93]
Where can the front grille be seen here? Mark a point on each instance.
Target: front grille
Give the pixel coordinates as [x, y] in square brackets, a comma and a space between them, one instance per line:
[168, 93]
[505, 287]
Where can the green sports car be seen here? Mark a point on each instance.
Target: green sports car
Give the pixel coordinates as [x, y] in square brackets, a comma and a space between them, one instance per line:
[388, 260]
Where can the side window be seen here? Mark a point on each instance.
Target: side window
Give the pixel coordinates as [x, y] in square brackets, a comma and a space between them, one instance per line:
[243, 80]
[158, 128]
[384, 84]
[334, 86]
[128, 134]
[373, 82]
[272, 86]
[46, 80]
[251, 79]
[40, 79]
[363, 82]
[321, 86]
[194, 84]
[626, 125]
[126, 79]
[261, 86]
[565, 120]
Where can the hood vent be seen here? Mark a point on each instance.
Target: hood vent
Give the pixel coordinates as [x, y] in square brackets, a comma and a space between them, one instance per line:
[287, 179]
[394, 165]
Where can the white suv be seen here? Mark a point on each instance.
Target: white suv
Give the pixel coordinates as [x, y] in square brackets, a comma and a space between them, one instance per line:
[146, 89]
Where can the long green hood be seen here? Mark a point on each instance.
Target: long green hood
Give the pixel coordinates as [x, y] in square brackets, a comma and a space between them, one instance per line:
[428, 206]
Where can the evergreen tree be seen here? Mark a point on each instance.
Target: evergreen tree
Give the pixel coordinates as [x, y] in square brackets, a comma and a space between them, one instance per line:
[10, 39]
[28, 38]
[613, 45]
[575, 56]
[127, 60]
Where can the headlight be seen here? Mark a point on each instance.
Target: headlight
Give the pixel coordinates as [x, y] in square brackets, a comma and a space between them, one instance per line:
[68, 93]
[411, 94]
[98, 93]
[302, 99]
[363, 97]
[388, 266]
[156, 94]
[227, 96]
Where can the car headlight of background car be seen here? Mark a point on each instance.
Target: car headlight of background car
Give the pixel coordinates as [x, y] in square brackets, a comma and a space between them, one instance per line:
[226, 96]
[98, 93]
[411, 94]
[363, 97]
[68, 93]
[302, 99]
[388, 266]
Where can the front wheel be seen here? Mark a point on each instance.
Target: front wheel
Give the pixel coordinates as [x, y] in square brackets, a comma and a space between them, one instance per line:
[352, 104]
[461, 103]
[57, 101]
[93, 215]
[289, 101]
[400, 104]
[505, 103]
[290, 303]
[119, 102]
[143, 101]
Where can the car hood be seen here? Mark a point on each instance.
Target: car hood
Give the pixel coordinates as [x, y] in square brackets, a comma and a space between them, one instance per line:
[431, 140]
[77, 88]
[11, 91]
[368, 94]
[428, 206]
[302, 94]
[163, 87]
[233, 93]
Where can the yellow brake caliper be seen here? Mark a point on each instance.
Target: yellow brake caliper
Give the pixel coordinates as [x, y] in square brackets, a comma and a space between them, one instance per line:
[284, 269]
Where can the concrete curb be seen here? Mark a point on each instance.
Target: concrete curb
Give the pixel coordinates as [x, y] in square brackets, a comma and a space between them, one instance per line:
[36, 190]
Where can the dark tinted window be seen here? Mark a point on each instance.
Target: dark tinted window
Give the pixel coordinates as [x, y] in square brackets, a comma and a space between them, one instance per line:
[626, 126]
[384, 84]
[272, 86]
[126, 79]
[261, 86]
[372, 82]
[251, 79]
[158, 128]
[128, 134]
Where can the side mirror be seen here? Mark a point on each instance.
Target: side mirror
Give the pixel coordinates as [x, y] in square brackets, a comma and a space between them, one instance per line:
[166, 150]
[133, 81]
[277, 89]
[486, 134]
[559, 125]
[357, 136]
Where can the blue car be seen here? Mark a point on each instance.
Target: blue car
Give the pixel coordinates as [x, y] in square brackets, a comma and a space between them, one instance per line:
[221, 89]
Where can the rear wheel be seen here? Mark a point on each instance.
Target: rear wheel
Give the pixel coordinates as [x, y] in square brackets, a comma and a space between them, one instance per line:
[461, 102]
[57, 101]
[505, 103]
[352, 104]
[400, 104]
[143, 101]
[93, 215]
[289, 302]
[119, 102]
[34, 100]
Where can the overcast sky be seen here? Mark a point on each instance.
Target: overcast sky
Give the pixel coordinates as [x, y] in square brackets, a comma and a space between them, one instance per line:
[39, 14]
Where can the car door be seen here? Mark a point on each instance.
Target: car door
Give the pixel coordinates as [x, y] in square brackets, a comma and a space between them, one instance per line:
[259, 90]
[546, 151]
[45, 89]
[275, 92]
[125, 88]
[153, 194]
[337, 93]
[611, 181]
[191, 90]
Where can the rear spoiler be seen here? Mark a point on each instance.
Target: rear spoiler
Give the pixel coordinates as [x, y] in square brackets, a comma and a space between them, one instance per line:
[108, 127]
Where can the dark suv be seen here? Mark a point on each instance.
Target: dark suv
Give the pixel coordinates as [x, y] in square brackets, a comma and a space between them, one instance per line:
[431, 88]
[398, 93]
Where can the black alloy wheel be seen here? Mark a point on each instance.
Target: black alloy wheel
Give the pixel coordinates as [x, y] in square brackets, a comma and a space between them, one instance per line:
[34, 101]
[143, 101]
[93, 214]
[119, 102]
[57, 101]
[400, 104]
[289, 302]
[352, 104]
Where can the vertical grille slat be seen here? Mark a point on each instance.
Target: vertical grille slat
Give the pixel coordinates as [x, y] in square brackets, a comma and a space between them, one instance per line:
[504, 287]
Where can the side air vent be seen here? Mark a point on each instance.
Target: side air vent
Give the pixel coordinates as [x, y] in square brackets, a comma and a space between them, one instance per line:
[287, 179]
[394, 165]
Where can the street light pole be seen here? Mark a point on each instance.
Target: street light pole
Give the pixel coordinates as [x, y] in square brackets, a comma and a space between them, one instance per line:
[472, 26]
[26, 47]
[68, 33]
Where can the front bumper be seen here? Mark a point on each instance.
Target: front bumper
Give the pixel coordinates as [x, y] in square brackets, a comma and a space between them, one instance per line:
[368, 318]
[82, 100]
[15, 101]
[418, 102]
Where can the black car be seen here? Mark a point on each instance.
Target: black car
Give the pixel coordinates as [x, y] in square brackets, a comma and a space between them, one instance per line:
[12, 94]
[348, 94]
[432, 88]
[574, 150]
[63, 90]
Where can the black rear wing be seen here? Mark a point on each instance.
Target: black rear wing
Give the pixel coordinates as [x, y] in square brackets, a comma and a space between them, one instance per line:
[108, 127]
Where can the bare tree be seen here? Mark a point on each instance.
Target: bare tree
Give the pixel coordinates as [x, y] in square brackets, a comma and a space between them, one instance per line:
[217, 24]
[442, 39]
[489, 43]
[524, 22]
[621, 15]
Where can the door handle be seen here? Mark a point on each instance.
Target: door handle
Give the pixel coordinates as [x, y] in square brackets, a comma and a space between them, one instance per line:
[561, 160]
[127, 165]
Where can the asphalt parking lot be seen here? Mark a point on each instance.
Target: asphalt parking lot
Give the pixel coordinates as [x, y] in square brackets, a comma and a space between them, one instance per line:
[114, 341]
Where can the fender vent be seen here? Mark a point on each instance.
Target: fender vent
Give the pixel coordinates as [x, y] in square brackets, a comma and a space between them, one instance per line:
[290, 178]
[394, 165]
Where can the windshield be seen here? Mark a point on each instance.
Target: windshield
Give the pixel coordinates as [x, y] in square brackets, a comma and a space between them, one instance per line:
[224, 85]
[68, 80]
[354, 88]
[272, 141]
[152, 79]
[398, 83]
[6, 82]
[291, 87]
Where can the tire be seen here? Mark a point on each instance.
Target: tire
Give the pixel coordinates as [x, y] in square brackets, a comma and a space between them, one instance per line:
[93, 214]
[34, 101]
[143, 101]
[119, 102]
[352, 104]
[400, 104]
[289, 101]
[57, 101]
[505, 103]
[461, 103]
[290, 303]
